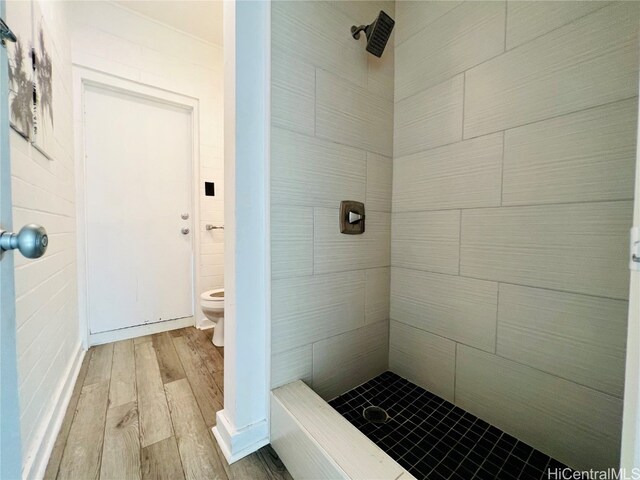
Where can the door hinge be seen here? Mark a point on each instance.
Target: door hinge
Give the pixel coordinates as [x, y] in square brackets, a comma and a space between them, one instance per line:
[6, 35]
[634, 263]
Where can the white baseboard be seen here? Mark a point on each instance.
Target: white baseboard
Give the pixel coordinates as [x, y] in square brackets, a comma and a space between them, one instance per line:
[237, 444]
[35, 461]
[139, 331]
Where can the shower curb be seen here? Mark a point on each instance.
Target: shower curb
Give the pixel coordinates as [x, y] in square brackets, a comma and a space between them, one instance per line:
[315, 441]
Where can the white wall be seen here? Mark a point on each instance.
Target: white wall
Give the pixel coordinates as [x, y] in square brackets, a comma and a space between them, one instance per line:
[46, 299]
[115, 40]
[514, 153]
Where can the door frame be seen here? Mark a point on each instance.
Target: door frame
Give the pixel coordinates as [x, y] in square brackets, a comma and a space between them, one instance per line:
[10, 442]
[83, 77]
[630, 442]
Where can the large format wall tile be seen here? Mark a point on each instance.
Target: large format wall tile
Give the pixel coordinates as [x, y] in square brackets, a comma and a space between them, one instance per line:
[310, 171]
[527, 20]
[363, 12]
[465, 36]
[423, 358]
[584, 156]
[573, 336]
[426, 240]
[294, 364]
[293, 92]
[580, 248]
[377, 294]
[307, 309]
[462, 309]
[381, 72]
[318, 33]
[461, 175]
[350, 359]
[379, 183]
[336, 252]
[574, 424]
[414, 15]
[349, 114]
[589, 62]
[292, 242]
[429, 119]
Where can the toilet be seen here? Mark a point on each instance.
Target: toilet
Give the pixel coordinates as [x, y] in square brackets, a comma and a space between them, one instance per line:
[212, 304]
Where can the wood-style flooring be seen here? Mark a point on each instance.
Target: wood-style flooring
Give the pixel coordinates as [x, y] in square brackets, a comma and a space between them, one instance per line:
[144, 408]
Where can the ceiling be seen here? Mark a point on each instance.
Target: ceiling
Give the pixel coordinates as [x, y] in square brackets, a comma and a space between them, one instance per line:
[200, 18]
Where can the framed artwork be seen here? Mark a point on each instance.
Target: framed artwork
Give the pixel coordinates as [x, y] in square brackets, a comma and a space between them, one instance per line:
[31, 76]
[21, 74]
[43, 135]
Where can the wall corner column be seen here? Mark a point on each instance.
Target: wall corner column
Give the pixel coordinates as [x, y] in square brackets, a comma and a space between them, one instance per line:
[243, 425]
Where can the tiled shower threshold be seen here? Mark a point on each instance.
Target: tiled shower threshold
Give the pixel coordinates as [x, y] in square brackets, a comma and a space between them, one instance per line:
[434, 439]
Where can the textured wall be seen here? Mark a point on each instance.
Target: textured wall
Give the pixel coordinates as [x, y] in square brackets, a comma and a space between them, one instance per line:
[120, 42]
[514, 152]
[46, 291]
[332, 129]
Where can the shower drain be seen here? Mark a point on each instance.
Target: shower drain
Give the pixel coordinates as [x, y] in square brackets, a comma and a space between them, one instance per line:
[375, 415]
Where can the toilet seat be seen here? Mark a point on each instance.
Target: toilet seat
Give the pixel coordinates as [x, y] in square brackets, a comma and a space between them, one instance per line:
[213, 295]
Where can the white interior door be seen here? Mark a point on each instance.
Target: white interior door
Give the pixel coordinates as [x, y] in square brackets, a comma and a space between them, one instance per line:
[10, 451]
[138, 189]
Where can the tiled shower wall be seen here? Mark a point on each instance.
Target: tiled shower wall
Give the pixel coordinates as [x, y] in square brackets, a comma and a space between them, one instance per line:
[331, 140]
[514, 152]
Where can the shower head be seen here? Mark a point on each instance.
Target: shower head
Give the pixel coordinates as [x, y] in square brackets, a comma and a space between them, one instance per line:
[377, 33]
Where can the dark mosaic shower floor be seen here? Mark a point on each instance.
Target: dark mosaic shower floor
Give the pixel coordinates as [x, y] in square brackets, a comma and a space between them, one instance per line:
[434, 439]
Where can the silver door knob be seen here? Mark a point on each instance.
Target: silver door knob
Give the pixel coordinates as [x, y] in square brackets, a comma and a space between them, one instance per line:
[31, 241]
[184, 216]
[185, 231]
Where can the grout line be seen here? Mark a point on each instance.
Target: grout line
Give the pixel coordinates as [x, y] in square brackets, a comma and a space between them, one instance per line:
[455, 370]
[506, 16]
[428, 24]
[331, 141]
[546, 372]
[396, 100]
[605, 5]
[312, 376]
[459, 242]
[527, 205]
[504, 137]
[313, 241]
[486, 134]
[509, 283]
[589, 387]
[464, 96]
[495, 348]
[315, 101]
